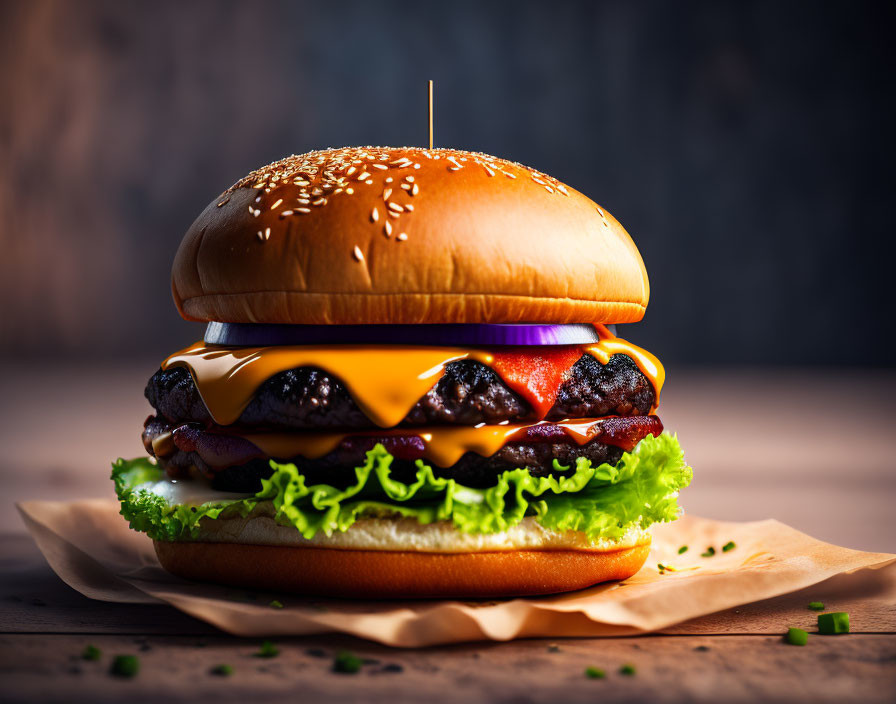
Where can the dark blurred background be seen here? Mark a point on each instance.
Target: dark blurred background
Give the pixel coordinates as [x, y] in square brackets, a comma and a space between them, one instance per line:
[748, 148]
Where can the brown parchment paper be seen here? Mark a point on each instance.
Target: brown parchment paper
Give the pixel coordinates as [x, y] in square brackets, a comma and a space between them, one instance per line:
[89, 545]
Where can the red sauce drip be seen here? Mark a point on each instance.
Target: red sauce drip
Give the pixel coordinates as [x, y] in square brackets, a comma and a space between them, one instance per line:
[536, 377]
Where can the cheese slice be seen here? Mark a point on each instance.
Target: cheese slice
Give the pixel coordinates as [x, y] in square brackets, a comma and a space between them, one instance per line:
[384, 380]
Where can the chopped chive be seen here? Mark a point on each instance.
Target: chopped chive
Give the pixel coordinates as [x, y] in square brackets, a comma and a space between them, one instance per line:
[347, 663]
[682, 550]
[728, 546]
[796, 636]
[660, 567]
[594, 673]
[125, 666]
[710, 551]
[833, 623]
[275, 604]
[222, 670]
[815, 606]
[91, 652]
[628, 670]
[267, 650]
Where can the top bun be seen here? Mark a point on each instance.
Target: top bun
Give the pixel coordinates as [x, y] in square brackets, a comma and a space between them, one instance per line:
[404, 236]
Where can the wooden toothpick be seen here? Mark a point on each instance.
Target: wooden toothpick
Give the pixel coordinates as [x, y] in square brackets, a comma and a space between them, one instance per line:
[430, 114]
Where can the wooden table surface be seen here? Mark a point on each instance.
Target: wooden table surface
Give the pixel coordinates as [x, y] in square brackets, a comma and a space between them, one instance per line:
[810, 448]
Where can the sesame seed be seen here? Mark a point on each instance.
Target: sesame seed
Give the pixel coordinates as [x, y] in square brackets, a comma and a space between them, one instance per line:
[396, 207]
[285, 213]
[358, 254]
[455, 168]
[349, 190]
[277, 204]
[415, 190]
[258, 200]
[369, 182]
[224, 202]
[364, 176]
[409, 207]
[382, 167]
[402, 237]
[409, 179]
[267, 233]
[260, 235]
[303, 201]
[538, 180]
[548, 188]
[375, 215]
[387, 228]
[406, 186]
[600, 211]
[350, 171]
[303, 210]
[389, 179]
[489, 171]
[387, 193]
[416, 166]
[319, 201]
[509, 175]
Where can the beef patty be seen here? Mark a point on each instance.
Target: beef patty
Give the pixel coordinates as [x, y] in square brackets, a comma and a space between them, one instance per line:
[468, 393]
[232, 463]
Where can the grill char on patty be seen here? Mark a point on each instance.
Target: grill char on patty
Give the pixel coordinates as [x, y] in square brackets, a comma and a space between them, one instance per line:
[235, 464]
[468, 393]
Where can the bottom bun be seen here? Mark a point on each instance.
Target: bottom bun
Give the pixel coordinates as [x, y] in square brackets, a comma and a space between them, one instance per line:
[382, 574]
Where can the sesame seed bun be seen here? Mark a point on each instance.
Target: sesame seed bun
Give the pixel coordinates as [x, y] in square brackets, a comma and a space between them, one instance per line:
[404, 236]
[382, 571]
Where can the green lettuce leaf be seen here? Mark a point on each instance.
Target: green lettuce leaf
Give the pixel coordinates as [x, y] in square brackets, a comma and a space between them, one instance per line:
[602, 502]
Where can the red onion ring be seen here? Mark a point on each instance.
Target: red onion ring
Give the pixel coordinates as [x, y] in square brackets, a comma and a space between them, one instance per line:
[257, 335]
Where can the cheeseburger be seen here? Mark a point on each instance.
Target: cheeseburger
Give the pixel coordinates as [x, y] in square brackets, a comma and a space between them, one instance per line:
[409, 386]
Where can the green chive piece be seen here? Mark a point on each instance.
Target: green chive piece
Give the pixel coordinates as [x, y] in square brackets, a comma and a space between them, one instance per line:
[594, 673]
[628, 670]
[728, 546]
[710, 551]
[91, 652]
[833, 623]
[275, 604]
[815, 606]
[347, 663]
[661, 567]
[267, 650]
[682, 550]
[125, 666]
[222, 670]
[796, 636]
